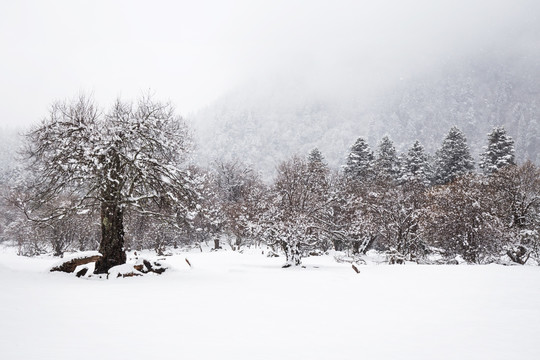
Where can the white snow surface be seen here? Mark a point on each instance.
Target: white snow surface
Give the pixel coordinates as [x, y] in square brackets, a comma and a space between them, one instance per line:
[245, 306]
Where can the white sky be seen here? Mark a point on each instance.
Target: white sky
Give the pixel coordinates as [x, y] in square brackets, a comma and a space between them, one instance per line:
[192, 52]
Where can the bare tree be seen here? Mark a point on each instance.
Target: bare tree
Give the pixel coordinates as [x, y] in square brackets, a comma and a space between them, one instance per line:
[394, 212]
[238, 188]
[129, 157]
[459, 218]
[517, 195]
[294, 217]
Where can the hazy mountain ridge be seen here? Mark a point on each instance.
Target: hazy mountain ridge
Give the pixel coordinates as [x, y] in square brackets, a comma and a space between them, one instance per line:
[264, 135]
[475, 95]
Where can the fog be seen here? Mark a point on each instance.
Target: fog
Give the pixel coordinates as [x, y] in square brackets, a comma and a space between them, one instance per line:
[193, 53]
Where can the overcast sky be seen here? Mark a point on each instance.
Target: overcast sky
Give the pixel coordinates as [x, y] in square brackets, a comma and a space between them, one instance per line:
[193, 52]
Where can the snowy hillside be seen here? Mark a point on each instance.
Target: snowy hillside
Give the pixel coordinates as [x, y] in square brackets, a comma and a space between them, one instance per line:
[264, 124]
[244, 306]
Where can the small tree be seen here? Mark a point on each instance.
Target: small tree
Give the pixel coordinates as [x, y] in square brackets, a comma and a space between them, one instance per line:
[352, 219]
[499, 152]
[295, 208]
[238, 188]
[318, 174]
[130, 157]
[394, 212]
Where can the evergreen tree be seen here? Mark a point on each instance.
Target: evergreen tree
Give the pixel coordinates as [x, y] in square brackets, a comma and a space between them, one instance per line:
[453, 159]
[499, 152]
[386, 161]
[316, 161]
[415, 167]
[318, 171]
[359, 164]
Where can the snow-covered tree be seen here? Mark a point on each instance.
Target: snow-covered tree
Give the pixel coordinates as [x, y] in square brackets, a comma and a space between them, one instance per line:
[318, 172]
[239, 189]
[316, 161]
[359, 165]
[415, 166]
[393, 211]
[130, 157]
[386, 161]
[516, 192]
[351, 222]
[296, 207]
[210, 220]
[459, 218]
[453, 159]
[284, 222]
[499, 152]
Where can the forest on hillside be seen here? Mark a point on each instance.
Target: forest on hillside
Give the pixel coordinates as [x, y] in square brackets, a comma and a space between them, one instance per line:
[265, 125]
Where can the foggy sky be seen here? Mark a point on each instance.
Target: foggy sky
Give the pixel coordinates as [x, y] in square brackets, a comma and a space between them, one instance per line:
[193, 52]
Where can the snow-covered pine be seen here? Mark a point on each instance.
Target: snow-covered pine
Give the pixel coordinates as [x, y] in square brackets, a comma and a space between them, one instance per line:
[386, 161]
[359, 165]
[453, 159]
[415, 166]
[318, 174]
[499, 151]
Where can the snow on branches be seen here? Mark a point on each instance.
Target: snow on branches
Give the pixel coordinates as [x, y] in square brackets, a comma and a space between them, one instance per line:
[127, 158]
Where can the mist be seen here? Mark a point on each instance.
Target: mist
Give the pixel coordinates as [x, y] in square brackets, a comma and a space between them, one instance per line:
[193, 53]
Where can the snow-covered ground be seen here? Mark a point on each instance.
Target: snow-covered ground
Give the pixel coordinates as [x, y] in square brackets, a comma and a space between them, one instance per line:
[244, 306]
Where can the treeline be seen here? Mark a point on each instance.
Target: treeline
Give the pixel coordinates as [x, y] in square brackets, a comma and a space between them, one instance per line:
[413, 206]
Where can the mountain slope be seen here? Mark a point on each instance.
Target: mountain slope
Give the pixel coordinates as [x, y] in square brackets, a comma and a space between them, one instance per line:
[264, 125]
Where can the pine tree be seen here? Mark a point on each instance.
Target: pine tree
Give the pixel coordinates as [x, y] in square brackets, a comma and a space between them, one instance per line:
[317, 170]
[499, 152]
[415, 167]
[359, 164]
[316, 161]
[453, 159]
[386, 162]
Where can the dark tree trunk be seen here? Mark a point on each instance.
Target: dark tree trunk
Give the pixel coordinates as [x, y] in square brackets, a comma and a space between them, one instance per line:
[356, 247]
[112, 238]
[292, 254]
[112, 216]
[338, 244]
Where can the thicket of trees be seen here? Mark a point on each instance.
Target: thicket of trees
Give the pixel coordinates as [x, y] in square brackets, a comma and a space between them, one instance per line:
[121, 180]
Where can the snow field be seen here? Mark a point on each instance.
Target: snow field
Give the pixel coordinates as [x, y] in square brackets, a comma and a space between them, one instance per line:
[244, 306]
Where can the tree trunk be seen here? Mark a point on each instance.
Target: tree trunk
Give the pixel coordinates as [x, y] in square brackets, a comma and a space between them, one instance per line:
[338, 244]
[292, 254]
[356, 247]
[112, 238]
